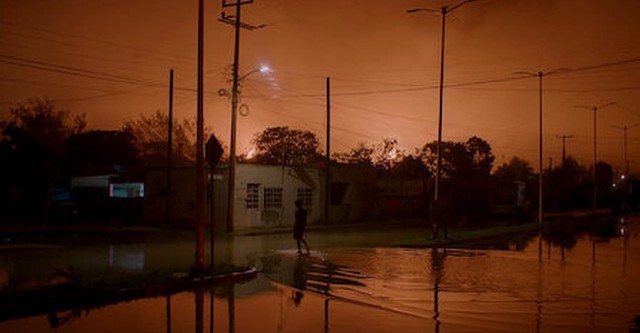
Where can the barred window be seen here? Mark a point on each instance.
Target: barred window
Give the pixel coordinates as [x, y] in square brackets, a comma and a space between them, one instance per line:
[272, 197]
[305, 195]
[253, 196]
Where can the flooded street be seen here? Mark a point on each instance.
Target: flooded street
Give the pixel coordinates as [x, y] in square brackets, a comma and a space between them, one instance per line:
[584, 281]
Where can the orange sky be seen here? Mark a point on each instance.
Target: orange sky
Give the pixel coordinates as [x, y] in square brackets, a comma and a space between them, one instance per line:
[384, 65]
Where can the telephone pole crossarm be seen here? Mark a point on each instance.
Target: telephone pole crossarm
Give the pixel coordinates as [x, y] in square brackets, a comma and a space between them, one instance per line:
[226, 3]
[230, 19]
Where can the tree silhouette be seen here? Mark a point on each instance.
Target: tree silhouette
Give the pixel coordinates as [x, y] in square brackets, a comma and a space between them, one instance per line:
[569, 185]
[515, 169]
[472, 159]
[32, 152]
[101, 152]
[361, 155]
[282, 145]
[150, 135]
[465, 172]
[383, 156]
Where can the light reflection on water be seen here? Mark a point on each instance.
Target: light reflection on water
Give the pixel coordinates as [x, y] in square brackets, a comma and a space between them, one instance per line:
[590, 286]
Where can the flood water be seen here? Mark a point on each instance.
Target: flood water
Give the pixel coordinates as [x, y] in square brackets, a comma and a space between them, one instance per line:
[585, 280]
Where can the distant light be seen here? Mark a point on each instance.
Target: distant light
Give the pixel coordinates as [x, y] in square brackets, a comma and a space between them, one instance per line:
[251, 153]
[623, 177]
[265, 69]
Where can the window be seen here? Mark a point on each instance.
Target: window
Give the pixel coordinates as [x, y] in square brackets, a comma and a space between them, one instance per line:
[305, 195]
[126, 190]
[272, 197]
[253, 196]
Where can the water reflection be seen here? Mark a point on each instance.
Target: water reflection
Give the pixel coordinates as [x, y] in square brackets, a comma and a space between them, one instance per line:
[554, 283]
[438, 256]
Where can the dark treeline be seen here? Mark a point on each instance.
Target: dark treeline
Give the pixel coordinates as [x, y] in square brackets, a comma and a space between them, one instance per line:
[43, 147]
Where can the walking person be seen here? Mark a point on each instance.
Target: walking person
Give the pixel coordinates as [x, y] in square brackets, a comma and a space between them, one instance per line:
[299, 226]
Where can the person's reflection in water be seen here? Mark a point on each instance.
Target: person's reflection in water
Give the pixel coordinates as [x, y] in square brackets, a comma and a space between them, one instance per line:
[299, 280]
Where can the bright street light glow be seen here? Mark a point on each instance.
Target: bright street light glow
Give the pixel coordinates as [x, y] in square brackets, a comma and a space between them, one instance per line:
[265, 69]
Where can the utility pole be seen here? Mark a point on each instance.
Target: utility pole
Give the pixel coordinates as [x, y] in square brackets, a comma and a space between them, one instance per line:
[625, 156]
[327, 186]
[564, 141]
[443, 11]
[625, 166]
[200, 185]
[540, 75]
[237, 24]
[595, 145]
[169, 150]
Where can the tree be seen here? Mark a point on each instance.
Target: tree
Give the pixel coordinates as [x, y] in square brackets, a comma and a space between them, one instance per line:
[101, 152]
[38, 129]
[383, 156]
[150, 138]
[460, 161]
[604, 179]
[282, 145]
[387, 154]
[361, 155]
[465, 173]
[569, 185]
[481, 156]
[515, 169]
[32, 152]
[410, 166]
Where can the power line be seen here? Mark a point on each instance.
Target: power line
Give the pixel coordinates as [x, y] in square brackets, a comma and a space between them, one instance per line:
[69, 70]
[471, 83]
[35, 64]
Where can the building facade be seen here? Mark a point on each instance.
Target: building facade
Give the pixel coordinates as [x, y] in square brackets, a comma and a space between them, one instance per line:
[264, 196]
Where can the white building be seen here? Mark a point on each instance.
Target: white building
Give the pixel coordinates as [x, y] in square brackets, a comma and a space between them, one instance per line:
[265, 195]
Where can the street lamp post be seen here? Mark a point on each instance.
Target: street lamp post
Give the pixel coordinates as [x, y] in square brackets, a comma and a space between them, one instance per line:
[237, 24]
[443, 11]
[625, 159]
[625, 163]
[595, 109]
[540, 75]
[234, 116]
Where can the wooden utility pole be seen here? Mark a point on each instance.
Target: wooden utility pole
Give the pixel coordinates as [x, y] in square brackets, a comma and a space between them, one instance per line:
[327, 186]
[564, 142]
[237, 24]
[169, 149]
[200, 181]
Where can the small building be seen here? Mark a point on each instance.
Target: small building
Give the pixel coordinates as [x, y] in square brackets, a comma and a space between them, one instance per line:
[106, 198]
[402, 197]
[507, 198]
[264, 196]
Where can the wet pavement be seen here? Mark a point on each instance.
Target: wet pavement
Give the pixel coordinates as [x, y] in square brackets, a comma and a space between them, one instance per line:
[582, 278]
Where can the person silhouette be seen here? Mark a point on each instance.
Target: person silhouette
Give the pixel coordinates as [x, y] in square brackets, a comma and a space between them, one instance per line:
[299, 226]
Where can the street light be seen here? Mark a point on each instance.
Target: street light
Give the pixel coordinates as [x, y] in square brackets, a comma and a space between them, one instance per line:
[443, 11]
[232, 146]
[540, 75]
[595, 144]
[625, 166]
